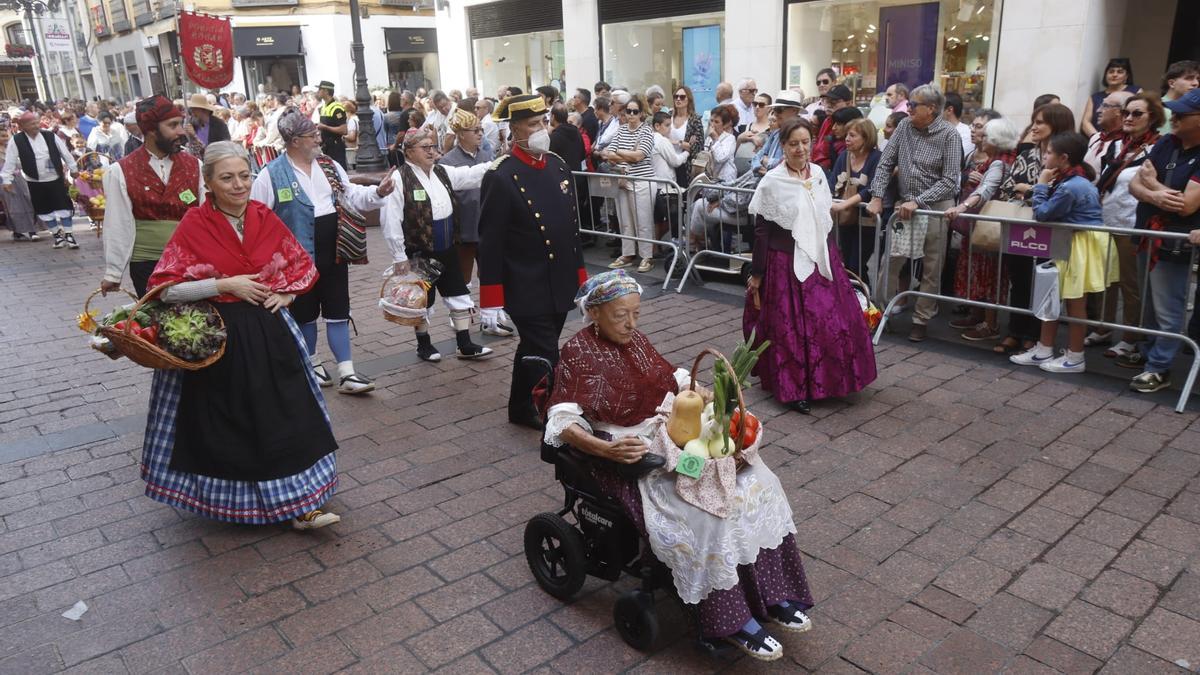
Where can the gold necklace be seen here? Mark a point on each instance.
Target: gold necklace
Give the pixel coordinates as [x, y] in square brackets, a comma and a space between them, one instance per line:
[239, 222]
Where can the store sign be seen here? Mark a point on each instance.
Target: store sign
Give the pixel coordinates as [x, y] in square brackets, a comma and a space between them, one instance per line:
[908, 44]
[410, 40]
[266, 41]
[57, 37]
[702, 63]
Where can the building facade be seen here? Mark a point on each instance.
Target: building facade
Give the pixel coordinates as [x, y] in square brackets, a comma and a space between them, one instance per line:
[998, 53]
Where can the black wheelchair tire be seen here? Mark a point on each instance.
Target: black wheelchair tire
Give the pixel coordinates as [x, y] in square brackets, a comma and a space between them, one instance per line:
[565, 550]
[636, 619]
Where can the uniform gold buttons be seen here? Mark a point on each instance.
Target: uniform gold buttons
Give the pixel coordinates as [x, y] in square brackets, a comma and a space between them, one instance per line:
[537, 215]
[522, 189]
[552, 256]
[547, 242]
[543, 228]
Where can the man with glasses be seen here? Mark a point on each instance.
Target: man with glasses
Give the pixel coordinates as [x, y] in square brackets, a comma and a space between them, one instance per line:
[825, 79]
[747, 89]
[1108, 129]
[785, 106]
[1168, 188]
[310, 193]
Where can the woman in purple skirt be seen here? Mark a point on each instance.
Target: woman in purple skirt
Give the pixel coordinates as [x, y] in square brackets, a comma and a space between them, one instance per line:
[799, 296]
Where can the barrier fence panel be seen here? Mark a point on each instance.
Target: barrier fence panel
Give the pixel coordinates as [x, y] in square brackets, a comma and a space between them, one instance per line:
[625, 208]
[719, 226]
[1013, 255]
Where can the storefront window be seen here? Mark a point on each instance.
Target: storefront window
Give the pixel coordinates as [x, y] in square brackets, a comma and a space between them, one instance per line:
[525, 61]
[872, 45]
[666, 52]
[413, 71]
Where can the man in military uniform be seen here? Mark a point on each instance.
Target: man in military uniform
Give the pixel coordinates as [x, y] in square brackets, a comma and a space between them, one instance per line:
[331, 121]
[530, 262]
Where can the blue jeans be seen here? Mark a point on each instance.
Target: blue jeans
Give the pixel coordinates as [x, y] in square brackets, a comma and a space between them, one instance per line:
[1167, 297]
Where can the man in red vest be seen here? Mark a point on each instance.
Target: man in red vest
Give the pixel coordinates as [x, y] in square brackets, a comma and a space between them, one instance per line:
[147, 194]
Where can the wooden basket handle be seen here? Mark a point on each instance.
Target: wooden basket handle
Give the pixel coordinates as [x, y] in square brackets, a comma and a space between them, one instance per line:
[737, 442]
[87, 303]
[150, 295]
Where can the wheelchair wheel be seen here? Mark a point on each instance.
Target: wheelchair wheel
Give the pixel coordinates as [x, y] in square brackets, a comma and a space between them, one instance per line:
[636, 619]
[555, 553]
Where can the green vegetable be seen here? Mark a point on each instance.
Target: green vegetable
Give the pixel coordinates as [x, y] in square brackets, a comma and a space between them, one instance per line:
[191, 331]
[725, 383]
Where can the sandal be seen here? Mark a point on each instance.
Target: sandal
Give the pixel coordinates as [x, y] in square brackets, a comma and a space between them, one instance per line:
[1009, 345]
[759, 645]
[1096, 338]
[1120, 349]
[790, 618]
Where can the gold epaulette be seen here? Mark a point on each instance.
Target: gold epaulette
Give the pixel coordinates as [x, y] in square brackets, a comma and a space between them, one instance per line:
[497, 162]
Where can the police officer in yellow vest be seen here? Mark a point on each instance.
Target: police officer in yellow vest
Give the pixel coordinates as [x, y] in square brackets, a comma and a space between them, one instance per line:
[332, 123]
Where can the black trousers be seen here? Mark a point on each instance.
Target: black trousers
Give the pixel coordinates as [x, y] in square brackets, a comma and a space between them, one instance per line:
[330, 296]
[539, 337]
[139, 273]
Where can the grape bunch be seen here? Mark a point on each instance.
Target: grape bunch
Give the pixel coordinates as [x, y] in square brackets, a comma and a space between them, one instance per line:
[191, 331]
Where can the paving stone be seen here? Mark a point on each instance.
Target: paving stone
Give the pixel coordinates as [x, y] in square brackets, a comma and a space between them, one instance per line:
[945, 604]
[448, 641]
[973, 579]
[1009, 550]
[922, 621]
[1108, 528]
[966, 652]
[1080, 556]
[1169, 636]
[861, 605]
[1047, 586]
[379, 632]
[904, 574]
[1009, 621]
[1042, 523]
[1061, 657]
[879, 540]
[527, 648]
[1174, 533]
[1151, 562]
[886, 648]
[1089, 629]
[1132, 660]
[1124, 594]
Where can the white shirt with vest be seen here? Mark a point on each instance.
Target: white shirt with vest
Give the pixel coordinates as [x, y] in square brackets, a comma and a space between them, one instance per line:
[41, 155]
[391, 218]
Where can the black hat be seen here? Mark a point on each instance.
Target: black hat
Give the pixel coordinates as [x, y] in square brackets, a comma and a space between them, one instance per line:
[520, 107]
[839, 92]
[327, 85]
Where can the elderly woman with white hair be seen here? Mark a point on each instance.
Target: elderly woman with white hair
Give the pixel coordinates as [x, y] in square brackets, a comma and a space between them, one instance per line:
[218, 442]
[979, 274]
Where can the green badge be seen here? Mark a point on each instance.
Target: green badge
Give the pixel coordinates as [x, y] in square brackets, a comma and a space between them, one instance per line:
[689, 465]
[187, 197]
[419, 196]
[284, 194]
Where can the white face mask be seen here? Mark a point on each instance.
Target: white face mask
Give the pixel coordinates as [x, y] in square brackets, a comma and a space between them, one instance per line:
[539, 142]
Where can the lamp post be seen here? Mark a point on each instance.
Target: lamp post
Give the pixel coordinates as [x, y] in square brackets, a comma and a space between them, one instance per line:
[369, 160]
[29, 8]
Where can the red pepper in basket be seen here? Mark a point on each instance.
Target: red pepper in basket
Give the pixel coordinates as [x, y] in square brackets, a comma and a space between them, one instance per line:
[752, 427]
[149, 334]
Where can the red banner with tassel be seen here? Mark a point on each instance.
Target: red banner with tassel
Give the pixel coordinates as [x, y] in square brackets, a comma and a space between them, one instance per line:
[206, 48]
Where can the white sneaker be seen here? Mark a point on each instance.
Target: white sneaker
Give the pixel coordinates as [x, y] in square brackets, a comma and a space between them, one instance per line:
[1064, 364]
[1030, 358]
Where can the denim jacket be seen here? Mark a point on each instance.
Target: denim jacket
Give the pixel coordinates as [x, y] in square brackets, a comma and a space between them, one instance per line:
[1074, 201]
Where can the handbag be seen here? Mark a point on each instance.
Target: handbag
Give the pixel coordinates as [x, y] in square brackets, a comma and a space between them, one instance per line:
[1046, 301]
[985, 234]
[352, 226]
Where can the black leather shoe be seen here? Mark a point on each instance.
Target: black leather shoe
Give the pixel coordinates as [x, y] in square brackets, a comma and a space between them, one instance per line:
[800, 406]
[527, 418]
[643, 466]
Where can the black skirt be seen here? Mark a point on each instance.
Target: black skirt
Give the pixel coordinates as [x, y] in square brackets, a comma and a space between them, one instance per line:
[251, 415]
[49, 197]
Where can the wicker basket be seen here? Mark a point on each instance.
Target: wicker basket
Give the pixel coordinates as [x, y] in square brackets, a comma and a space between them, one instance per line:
[400, 320]
[737, 442]
[96, 213]
[152, 356]
[114, 354]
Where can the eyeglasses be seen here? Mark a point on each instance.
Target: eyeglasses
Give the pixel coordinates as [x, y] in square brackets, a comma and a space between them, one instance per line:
[680, 97]
[759, 104]
[820, 82]
[632, 111]
[427, 147]
[1135, 114]
[752, 91]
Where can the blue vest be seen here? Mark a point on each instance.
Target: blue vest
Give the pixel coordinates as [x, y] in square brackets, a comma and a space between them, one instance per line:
[296, 213]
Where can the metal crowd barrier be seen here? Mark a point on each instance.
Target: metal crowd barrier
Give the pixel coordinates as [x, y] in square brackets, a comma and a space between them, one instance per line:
[605, 187]
[729, 234]
[1035, 237]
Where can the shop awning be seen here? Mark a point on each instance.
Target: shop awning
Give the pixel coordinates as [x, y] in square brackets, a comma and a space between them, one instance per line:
[255, 41]
[410, 40]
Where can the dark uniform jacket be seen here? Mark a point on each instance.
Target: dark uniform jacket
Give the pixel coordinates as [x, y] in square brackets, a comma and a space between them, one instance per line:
[530, 262]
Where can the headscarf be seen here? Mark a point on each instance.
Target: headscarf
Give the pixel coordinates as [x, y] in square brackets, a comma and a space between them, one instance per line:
[151, 111]
[293, 123]
[414, 136]
[604, 288]
[462, 119]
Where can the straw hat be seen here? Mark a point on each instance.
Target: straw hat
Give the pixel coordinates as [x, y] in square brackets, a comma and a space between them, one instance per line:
[200, 101]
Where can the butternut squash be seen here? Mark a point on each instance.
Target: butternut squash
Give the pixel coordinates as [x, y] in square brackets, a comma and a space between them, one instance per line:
[684, 423]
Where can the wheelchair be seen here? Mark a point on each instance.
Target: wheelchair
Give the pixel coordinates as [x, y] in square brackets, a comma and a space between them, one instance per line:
[602, 543]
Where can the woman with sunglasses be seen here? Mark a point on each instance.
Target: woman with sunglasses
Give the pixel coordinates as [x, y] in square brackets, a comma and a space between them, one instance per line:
[1143, 115]
[630, 152]
[750, 140]
[687, 131]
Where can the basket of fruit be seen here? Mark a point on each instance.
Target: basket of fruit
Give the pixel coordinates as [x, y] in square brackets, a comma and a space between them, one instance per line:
[154, 334]
[707, 444]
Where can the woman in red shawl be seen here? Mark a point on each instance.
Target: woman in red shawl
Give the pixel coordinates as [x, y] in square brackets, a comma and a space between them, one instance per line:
[246, 439]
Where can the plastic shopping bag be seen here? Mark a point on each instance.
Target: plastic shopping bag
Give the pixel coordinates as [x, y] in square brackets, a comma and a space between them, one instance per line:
[1046, 301]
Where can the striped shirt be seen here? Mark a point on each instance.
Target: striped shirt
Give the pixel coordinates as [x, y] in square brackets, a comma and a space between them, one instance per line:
[929, 162]
[641, 139]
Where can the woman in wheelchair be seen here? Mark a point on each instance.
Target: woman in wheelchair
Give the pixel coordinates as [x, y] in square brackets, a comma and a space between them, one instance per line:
[744, 570]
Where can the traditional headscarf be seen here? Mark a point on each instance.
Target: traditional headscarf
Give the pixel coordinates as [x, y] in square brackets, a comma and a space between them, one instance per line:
[462, 119]
[605, 287]
[150, 111]
[414, 136]
[293, 123]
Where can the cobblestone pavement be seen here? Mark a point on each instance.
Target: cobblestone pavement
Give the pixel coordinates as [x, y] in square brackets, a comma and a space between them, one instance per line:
[960, 516]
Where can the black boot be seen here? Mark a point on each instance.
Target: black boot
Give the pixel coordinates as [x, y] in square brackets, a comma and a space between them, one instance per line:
[800, 406]
[468, 349]
[425, 349]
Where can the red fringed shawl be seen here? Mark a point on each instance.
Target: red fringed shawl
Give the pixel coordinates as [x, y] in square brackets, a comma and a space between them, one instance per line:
[614, 384]
[205, 246]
